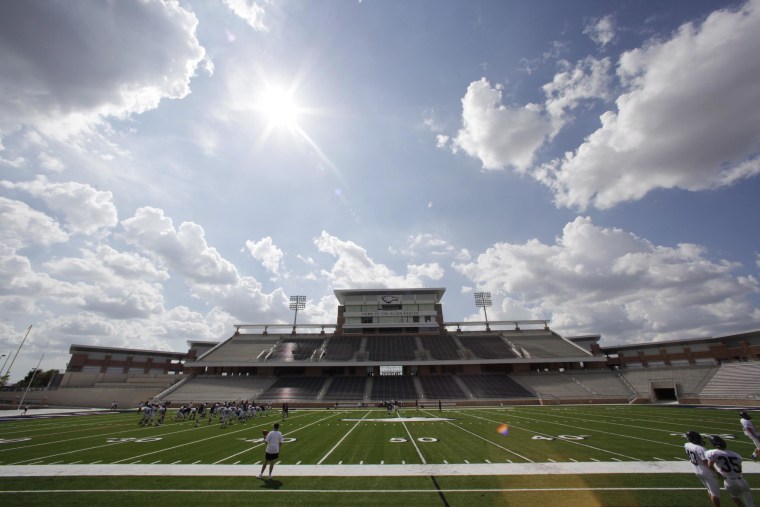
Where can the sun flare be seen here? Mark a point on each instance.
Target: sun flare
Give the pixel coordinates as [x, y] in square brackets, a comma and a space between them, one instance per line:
[279, 108]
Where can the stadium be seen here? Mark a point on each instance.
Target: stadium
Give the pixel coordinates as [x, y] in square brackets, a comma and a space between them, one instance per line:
[390, 399]
[394, 344]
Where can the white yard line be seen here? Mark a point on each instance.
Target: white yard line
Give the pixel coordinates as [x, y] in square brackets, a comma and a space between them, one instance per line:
[592, 467]
[414, 442]
[490, 442]
[352, 491]
[342, 439]
[562, 440]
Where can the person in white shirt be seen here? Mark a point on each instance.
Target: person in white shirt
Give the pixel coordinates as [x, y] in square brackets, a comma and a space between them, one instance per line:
[695, 450]
[273, 440]
[749, 429]
[729, 465]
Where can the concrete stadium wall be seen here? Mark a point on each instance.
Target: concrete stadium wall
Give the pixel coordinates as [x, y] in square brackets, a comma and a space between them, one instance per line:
[127, 397]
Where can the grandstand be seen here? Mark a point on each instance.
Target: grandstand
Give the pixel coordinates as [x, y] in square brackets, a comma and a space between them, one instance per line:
[394, 344]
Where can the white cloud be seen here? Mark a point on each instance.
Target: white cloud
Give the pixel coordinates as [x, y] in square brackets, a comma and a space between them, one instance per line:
[211, 278]
[50, 162]
[106, 266]
[183, 249]
[267, 253]
[58, 72]
[21, 288]
[689, 118]
[601, 30]
[600, 278]
[250, 11]
[589, 79]
[500, 136]
[22, 226]
[85, 209]
[354, 268]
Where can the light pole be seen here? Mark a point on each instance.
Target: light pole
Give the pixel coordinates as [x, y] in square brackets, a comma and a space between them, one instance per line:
[297, 303]
[7, 374]
[483, 299]
[1, 369]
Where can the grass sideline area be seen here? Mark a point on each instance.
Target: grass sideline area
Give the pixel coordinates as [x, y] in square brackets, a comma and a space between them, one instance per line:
[573, 455]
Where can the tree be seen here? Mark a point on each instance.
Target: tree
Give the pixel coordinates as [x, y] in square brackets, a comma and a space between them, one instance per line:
[41, 378]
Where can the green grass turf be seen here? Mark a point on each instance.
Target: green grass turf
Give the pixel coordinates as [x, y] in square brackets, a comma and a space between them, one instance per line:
[567, 490]
[537, 434]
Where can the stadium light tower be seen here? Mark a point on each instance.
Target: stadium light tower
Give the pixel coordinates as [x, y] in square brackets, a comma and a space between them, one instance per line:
[297, 303]
[483, 299]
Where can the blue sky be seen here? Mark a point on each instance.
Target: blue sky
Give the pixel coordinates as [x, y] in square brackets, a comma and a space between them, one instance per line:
[169, 169]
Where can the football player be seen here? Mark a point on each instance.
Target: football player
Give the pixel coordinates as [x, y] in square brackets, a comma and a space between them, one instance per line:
[695, 450]
[749, 429]
[729, 465]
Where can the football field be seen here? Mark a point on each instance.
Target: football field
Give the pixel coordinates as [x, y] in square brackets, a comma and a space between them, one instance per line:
[569, 455]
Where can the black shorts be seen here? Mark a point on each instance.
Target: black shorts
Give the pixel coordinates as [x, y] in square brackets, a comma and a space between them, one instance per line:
[271, 457]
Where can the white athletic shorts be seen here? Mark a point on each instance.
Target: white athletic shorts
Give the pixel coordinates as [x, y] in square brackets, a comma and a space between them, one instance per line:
[711, 483]
[754, 439]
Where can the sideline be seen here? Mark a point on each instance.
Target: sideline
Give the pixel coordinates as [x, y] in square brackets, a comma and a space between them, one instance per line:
[575, 468]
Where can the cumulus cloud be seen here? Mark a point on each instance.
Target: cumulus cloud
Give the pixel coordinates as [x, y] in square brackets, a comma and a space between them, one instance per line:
[267, 253]
[22, 226]
[250, 11]
[595, 278]
[85, 210]
[588, 79]
[21, 288]
[67, 64]
[183, 249]
[601, 30]
[499, 135]
[212, 278]
[688, 117]
[354, 268]
[428, 245]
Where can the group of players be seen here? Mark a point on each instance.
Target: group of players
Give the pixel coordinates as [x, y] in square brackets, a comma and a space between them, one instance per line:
[153, 414]
[711, 465]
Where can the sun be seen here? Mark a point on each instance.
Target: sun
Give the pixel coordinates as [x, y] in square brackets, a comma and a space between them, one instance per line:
[279, 108]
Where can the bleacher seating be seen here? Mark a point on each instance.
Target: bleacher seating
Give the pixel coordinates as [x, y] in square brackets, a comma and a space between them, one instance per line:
[213, 388]
[342, 348]
[393, 387]
[575, 384]
[294, 388]
[346, 389]
[391, 347]
[441, 346]
[239, 348]
[687, 378]
[441, 387]
[602, 383]
[553, 385]
[490, 346]
[495, 386]
[295, 349]
[734, 380]
[543, 344]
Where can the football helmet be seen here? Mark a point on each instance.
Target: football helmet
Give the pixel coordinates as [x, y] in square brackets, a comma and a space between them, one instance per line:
[718, 442]
[695, 438]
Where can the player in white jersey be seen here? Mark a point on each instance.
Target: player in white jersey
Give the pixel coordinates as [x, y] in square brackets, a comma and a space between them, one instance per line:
[749, 429]
[729, 465]
[695, 450]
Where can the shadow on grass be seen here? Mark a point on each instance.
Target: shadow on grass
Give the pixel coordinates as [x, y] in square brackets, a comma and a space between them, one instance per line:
[271, 484]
